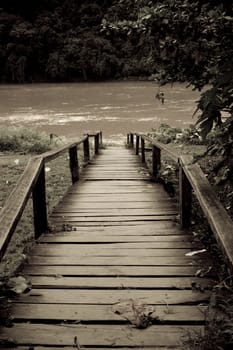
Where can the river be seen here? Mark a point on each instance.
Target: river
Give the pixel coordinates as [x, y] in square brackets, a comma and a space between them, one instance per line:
[113, 107]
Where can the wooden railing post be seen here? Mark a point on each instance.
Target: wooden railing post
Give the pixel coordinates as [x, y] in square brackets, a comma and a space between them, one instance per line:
[128, 139]
[143, 149]
[39, 204]
[137, 145]
[101, 138]
[86, 150]
[96, 143]
[156, 161]
[74, 168]
[131, 140]
[185, 199]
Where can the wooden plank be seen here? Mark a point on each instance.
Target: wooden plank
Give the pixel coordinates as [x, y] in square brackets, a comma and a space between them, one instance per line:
[131, 241]
[103, 313]
[127, 214]
[112, 190]
[114, 207]
[122, 183]
[113, 212]
[104, 296]
[80, 251]
[155, 228]
[101, 224]
[100, 238]
[118, 197]
[121, 282]
[135, 246]
[124, 260]
[97, 335]
[112, 270]
[58, 218]
[98, 206]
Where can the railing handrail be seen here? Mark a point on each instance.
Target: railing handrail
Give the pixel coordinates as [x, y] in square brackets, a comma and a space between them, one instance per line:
[33, 177]
[173, 155]
[192, 178]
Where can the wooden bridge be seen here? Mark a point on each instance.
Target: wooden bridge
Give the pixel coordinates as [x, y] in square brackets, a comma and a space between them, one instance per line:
[120, 270]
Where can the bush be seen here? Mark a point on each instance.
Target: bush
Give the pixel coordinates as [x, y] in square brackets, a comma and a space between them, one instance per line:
[166, 134]
[24, 140]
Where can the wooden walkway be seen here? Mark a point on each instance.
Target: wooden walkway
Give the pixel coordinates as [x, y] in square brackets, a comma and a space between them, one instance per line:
[114, 274]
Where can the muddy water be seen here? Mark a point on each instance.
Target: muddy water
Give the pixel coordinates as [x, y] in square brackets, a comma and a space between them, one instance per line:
[113, 107]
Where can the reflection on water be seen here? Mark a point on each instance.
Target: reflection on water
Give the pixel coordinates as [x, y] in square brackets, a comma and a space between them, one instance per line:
[115, 108]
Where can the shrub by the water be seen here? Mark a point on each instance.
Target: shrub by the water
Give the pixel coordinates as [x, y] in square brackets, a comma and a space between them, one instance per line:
[21, 139]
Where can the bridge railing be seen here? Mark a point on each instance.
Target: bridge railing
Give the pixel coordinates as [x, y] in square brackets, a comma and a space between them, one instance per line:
[32, 184]
[191, 180]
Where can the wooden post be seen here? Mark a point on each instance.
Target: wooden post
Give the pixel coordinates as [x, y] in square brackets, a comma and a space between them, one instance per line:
[39, 204]
[74, 168]
[101, 138]
[86, 150]
[96, 143]
[137, 145]
[131, 140]
[143, 149]
[128, 140]
[156, 161]
[185, 199]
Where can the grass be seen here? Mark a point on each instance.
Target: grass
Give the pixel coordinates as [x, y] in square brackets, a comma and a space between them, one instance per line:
[16, 149]
[20, 139]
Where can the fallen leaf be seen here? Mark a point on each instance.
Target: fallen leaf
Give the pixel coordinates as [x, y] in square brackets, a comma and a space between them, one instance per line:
[18, 285]
[139, 314]
[195, 252]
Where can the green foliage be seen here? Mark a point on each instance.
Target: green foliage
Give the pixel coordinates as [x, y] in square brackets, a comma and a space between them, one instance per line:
[167, 134]
[24, 140]
[170, 40]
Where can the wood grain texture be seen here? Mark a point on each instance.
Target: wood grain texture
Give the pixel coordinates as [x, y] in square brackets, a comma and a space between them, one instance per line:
[97, 335]
[217, 216]
[97, 313]
[115, 240]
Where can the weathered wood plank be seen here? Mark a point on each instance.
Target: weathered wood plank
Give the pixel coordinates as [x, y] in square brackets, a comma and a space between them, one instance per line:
[16, 202]
[104, 313]
[217, 216]
[111, 270]
[88, 296]
[80, 251]
[121, 282]
[135, 246]
[124, 260]
[76, 219]
[156, 228]
[97, 335]
[101, 206]
[112, 190]
[118, 197]
[111, 214]
[96, 238]
[114, 212]
[111, 238]
[101, 224]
